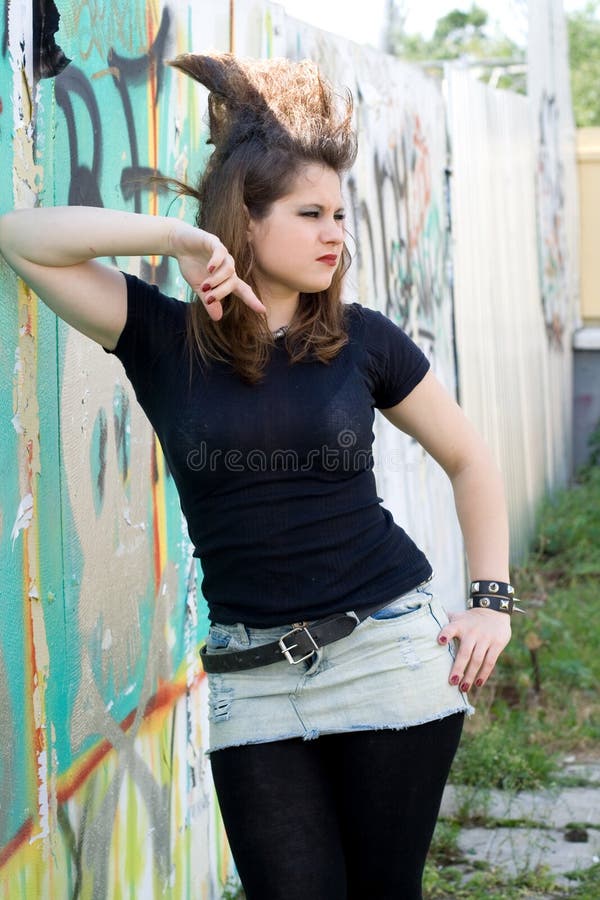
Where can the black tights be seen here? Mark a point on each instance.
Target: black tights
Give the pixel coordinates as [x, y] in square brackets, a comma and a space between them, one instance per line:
[343, 817]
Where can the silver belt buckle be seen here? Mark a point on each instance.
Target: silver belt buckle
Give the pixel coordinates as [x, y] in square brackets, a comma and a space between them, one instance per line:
[287, 651]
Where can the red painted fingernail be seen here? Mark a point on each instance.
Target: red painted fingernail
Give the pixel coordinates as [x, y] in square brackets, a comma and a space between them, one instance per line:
[465, 687]
[479, 682]
[210, 300]
[443, 639]
[205, 286]
[211, 269]
[455, 679]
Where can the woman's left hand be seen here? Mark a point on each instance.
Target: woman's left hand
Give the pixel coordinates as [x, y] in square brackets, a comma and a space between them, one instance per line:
[482, 634]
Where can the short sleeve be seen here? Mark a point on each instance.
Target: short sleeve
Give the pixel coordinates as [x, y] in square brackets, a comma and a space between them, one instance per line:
[395, 364]
[154, 325]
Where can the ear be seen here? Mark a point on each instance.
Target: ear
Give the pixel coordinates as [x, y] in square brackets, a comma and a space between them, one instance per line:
[250, 224]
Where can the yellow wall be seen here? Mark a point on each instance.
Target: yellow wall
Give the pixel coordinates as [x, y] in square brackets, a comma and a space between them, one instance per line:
[588, 165]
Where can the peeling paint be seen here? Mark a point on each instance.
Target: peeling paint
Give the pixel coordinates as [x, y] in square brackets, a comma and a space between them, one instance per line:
[43, 801]
[23, 517]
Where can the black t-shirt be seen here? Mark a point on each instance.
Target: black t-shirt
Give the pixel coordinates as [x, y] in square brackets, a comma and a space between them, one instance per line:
[276, 479]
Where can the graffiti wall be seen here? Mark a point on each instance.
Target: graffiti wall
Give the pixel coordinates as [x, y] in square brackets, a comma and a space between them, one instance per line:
[548, 86]
[397, 199]
[515, 266]
[105, 789]
[501, 339]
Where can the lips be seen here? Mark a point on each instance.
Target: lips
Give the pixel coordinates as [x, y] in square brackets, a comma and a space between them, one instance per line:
[330, 259]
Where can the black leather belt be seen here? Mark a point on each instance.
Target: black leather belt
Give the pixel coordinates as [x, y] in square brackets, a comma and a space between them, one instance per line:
[295, 645]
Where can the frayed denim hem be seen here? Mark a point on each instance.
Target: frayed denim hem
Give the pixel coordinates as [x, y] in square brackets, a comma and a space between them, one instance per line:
[314, 733]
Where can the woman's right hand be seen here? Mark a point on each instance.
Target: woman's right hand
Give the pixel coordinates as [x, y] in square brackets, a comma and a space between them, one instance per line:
[209, 269]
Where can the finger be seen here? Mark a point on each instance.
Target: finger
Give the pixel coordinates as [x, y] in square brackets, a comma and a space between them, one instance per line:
[247, 295]
[223, 271]
[461, 662]
[214, 310]
[212, 304]
[218, 258]
[475, 663]
[448, 632]
[232, 285]
[487, 668]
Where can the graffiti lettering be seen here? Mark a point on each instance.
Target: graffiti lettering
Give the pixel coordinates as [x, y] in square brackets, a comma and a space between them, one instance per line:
[552, 241]
[100, 25]
[85, 179]
[408, 253]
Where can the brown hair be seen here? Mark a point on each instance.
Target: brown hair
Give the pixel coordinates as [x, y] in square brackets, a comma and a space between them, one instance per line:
[268, 119]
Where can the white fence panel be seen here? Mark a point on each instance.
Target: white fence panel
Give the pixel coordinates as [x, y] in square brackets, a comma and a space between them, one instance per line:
[396, 196]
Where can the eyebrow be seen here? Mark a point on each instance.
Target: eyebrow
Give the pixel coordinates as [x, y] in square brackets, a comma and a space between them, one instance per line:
[321, 207]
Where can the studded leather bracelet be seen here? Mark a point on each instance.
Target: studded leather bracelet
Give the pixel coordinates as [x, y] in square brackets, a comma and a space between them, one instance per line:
[502, 588]
[496, 595]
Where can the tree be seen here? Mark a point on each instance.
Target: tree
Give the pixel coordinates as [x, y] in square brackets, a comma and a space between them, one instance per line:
[584, 52]
[466, 36]
[459, 35]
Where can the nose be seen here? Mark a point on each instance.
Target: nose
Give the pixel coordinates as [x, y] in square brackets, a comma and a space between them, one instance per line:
[332, 231]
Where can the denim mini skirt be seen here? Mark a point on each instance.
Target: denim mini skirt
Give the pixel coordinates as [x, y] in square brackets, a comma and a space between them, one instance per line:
[391, 672]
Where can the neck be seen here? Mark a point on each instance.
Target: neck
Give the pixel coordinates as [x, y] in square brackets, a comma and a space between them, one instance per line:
[280, 304]
[280, 314]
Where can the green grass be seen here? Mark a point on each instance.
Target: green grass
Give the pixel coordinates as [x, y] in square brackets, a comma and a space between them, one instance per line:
[542, 702]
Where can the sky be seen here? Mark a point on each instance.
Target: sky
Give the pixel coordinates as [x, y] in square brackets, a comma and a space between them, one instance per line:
[362, 21]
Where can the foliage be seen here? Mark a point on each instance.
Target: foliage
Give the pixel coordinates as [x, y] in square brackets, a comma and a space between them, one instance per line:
[584, 52]
[594, 448]
[500, 756]
[542, 699]
[457, 35]
[232, 889]
[488, 883]
[466, 35]
[568, 541]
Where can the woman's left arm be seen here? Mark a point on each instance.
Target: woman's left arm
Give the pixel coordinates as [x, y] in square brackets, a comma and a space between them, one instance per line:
[434, 419]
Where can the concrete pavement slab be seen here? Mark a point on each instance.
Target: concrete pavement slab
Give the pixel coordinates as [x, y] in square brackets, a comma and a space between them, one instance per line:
[554, 808]
[520, 850]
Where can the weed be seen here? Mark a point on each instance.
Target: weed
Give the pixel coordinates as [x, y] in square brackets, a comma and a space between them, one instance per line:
[568, 535]
[232, 889]
[542, 702]
[500, 755]
[594, 448]
[588, 884]
[472, 882]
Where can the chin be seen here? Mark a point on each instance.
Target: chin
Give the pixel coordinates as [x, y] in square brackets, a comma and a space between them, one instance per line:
[316, 286]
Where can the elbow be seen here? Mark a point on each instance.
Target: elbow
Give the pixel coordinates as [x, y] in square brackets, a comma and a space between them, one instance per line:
[476, 461]
[5, 231]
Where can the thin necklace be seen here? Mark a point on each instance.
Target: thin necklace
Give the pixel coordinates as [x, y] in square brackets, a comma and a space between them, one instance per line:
[280, 332]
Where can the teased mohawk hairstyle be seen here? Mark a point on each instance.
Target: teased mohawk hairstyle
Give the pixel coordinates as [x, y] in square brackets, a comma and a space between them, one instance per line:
[277, 101]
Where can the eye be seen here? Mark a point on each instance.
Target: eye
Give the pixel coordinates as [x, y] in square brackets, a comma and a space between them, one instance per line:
[313, 213]
[339, 217]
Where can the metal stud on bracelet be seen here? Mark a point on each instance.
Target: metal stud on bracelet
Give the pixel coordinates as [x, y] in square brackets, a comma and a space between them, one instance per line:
[502, 588]
[499, 604]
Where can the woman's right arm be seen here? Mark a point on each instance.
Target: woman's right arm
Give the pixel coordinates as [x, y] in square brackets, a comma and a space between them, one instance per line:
[54, 250]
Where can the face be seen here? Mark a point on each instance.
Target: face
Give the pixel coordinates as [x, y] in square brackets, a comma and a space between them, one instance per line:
[298, 246]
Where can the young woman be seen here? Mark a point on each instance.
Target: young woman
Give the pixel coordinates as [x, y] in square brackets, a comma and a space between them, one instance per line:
[337, 689]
